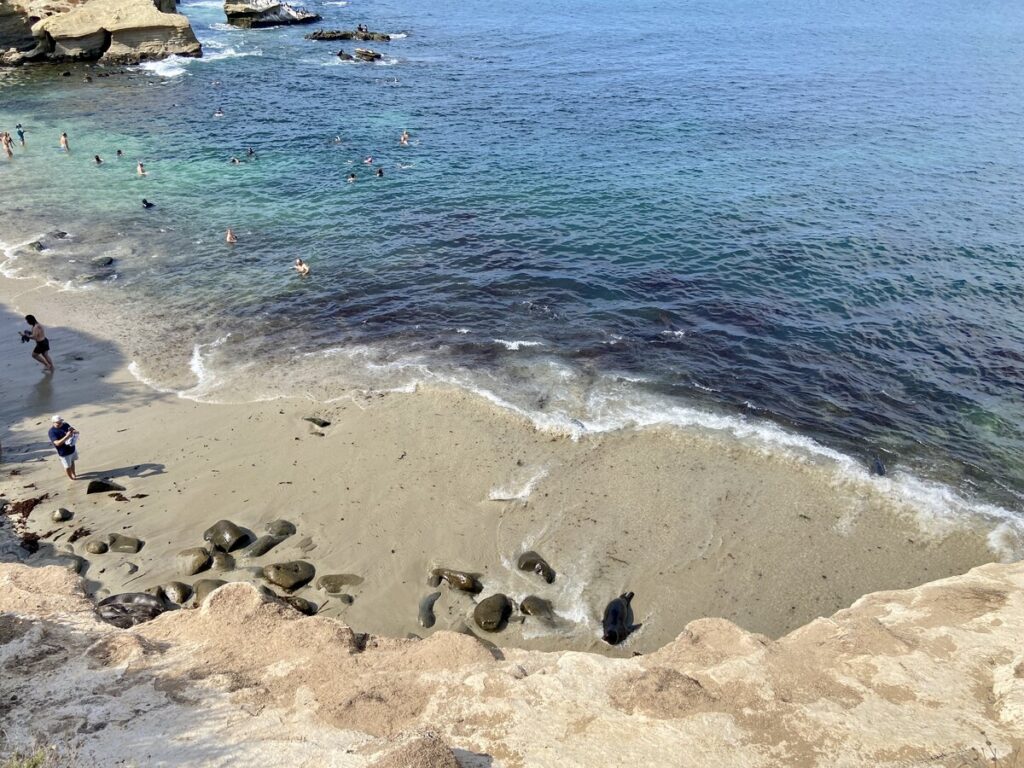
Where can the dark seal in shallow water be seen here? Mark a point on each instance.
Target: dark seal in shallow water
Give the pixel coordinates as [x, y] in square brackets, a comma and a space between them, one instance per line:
[426, 613]
[617, 623]
[531, 561]
[128, 609]
[467, 582]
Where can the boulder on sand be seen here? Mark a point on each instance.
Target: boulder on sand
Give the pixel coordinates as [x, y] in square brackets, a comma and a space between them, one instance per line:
[265, 13]
[225, 536]
[289, 576]
[103, 486]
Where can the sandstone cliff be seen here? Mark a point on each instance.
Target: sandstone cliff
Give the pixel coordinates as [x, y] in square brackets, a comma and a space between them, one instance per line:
[117, 31]
[932, 676]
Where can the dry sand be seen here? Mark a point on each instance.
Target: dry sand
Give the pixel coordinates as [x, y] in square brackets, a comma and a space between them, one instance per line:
[696, 524]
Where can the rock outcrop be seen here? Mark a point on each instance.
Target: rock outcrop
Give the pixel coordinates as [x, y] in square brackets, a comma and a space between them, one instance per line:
[932, 676]
[115, 31]
[265, 13]
[344, 34]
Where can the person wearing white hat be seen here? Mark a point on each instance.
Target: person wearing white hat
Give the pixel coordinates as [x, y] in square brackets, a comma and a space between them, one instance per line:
[64, 437]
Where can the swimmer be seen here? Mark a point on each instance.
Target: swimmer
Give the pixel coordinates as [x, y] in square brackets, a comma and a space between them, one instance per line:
[21, 133]
[147, 205]
[230, 236]
[301, 267]
[64, 142]
[120, 154]
[218, 112]
[235, 161]
[251, 152]
[351, 178]
[8, 142]
[404, 139]
[140, 169]
[368, 160]
[380, 173]
[97, 159]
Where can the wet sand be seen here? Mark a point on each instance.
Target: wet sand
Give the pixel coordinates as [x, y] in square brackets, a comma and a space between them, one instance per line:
[695, 523]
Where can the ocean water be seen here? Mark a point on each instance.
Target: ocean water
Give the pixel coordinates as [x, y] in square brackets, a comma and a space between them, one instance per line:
[799, 221]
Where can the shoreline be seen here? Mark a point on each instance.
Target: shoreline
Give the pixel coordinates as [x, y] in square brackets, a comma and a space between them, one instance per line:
[696, 524]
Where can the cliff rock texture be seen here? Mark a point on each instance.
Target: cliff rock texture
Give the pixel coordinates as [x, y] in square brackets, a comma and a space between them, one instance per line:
[265, 13]
[117, 31]
[932, 676]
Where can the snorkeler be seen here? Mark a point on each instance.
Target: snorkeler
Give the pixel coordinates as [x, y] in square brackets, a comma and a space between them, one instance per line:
[147, 205]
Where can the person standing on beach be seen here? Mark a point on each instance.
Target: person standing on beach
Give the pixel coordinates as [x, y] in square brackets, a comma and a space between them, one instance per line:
[64, 142]
[64, 437]
[41, 351]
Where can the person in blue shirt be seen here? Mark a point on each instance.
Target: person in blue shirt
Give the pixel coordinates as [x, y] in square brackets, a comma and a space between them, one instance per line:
[64, 437]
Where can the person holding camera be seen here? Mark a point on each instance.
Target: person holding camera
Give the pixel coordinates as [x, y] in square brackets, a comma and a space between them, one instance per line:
[64, 438]
[41, 351]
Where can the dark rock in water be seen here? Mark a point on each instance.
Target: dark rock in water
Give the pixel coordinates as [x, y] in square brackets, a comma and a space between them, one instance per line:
[61, 515]
[538, 607]
[348, 34]
[225, 536]
[491, 614]
[102, 261]
[176, 591]
[261, 546]
[289, 576]
[95, 547]
[204, 587]
[300, 604]
[426, 613]
[222, 561]
[467, 582]
[250, 14]
[103, 486]
[128, 609]
[281, 528]
[336, 582]
[877, 467]
[531, 561]
[36, 246]
[317, 421]
[365, 54]
[119, 543]
[617, 623]
[59, 234]
[193, 560]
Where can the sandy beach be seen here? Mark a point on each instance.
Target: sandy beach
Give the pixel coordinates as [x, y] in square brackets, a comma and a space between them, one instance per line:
[696, 523]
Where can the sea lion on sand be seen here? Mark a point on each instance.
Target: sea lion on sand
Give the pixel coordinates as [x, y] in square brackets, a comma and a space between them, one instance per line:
[531, 561]
[128, 609]
[467, 582]
[618, 617]
[538, 607]
[426, 615]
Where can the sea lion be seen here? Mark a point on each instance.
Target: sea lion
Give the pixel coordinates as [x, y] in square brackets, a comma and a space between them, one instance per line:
[128, 609]
[426, 615]
[877, 467]
[538, 607]
[204, 587]
[531, 561]
[491, 614]
[467, 582]
[618, 617]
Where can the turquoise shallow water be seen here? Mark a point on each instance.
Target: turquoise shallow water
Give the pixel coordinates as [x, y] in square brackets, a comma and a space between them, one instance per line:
[610, 213]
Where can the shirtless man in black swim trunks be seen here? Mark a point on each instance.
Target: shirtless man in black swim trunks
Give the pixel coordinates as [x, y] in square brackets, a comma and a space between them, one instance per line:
[41, 351]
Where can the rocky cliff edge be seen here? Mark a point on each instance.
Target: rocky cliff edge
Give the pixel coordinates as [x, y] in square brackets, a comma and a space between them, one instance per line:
[116, 31]
[932, 676]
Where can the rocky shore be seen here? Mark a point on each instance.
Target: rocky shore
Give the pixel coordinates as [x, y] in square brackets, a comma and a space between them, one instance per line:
[931, 676]
[113, 31]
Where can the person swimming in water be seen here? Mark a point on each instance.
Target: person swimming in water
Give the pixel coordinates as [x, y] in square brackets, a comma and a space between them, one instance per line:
[147, 205]
[230, 236]
[64, 142]
[235, 161]
[21, 133]
[301, 267]
[368, 160]
[97, 159]
[119, 154]
[380, 173]
[140, 169]
[351, 178]
[404, 139]
[218, 112]
[251, 153]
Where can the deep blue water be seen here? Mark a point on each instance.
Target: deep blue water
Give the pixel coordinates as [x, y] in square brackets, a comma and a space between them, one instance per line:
[804, 212]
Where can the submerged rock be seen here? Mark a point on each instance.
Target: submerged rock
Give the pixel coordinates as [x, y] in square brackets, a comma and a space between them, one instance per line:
[365, 54]
[193, 560]
[265, 13]
[289, 576]
[127, 544]
[224, 535]
[491, 614]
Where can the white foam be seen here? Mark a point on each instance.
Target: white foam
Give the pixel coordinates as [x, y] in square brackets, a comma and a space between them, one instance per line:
[516, 345]
[172, 66]
[462, 330]
[9, 251]
[523, 493]
[398, 36]
[231, 53]
[673, 334]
